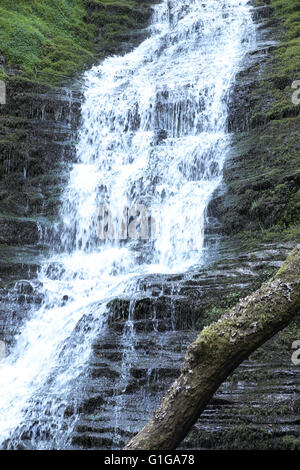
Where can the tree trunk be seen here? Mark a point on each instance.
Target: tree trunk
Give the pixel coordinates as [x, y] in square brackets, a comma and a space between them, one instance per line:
[217, 351]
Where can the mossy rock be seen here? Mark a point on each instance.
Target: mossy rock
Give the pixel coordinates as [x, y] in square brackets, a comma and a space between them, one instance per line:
[50, 42]
[262, 201]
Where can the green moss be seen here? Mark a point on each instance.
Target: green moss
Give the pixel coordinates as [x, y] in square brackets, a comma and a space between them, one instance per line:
[274, 234]
[48, 41]
[285, 64]
[36, 37]
[268, 162]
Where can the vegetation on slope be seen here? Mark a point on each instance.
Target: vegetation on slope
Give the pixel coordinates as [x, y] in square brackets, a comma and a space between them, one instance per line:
[49, 40]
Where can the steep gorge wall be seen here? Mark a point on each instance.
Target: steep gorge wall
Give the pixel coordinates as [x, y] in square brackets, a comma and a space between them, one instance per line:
[260, 197]
[256, 211]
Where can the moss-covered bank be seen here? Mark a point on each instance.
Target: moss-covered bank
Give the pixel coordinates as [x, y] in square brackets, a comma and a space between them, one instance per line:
[44, 46]
[262, 196]
[49, 41]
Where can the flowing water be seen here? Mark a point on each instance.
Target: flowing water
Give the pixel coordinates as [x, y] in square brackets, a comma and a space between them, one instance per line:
[150, 154]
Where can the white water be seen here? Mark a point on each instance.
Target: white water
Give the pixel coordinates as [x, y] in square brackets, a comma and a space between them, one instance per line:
[177, 81]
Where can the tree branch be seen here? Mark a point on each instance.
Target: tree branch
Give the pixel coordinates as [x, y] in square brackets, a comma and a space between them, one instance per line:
[217, 351]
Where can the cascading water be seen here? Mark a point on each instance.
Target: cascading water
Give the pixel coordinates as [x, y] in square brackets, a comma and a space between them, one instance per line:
[154, 134]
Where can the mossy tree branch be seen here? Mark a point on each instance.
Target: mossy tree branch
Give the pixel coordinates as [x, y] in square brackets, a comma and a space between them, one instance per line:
[217, 351]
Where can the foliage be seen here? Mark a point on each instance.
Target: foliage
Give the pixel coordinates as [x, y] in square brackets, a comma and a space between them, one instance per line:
[49, 40]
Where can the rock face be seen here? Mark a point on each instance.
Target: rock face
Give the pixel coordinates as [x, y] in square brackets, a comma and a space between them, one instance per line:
[38, 131]
[260, 193]
[217, 351]
[258, 406]
[50, 42]
[37, 134]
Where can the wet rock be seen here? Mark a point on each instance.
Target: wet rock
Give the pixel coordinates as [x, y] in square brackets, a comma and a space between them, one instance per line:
[24, 287]
[15, 231]
[159, 136]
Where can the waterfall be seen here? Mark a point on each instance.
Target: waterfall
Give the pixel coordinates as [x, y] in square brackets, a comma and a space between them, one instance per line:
[151, 150]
